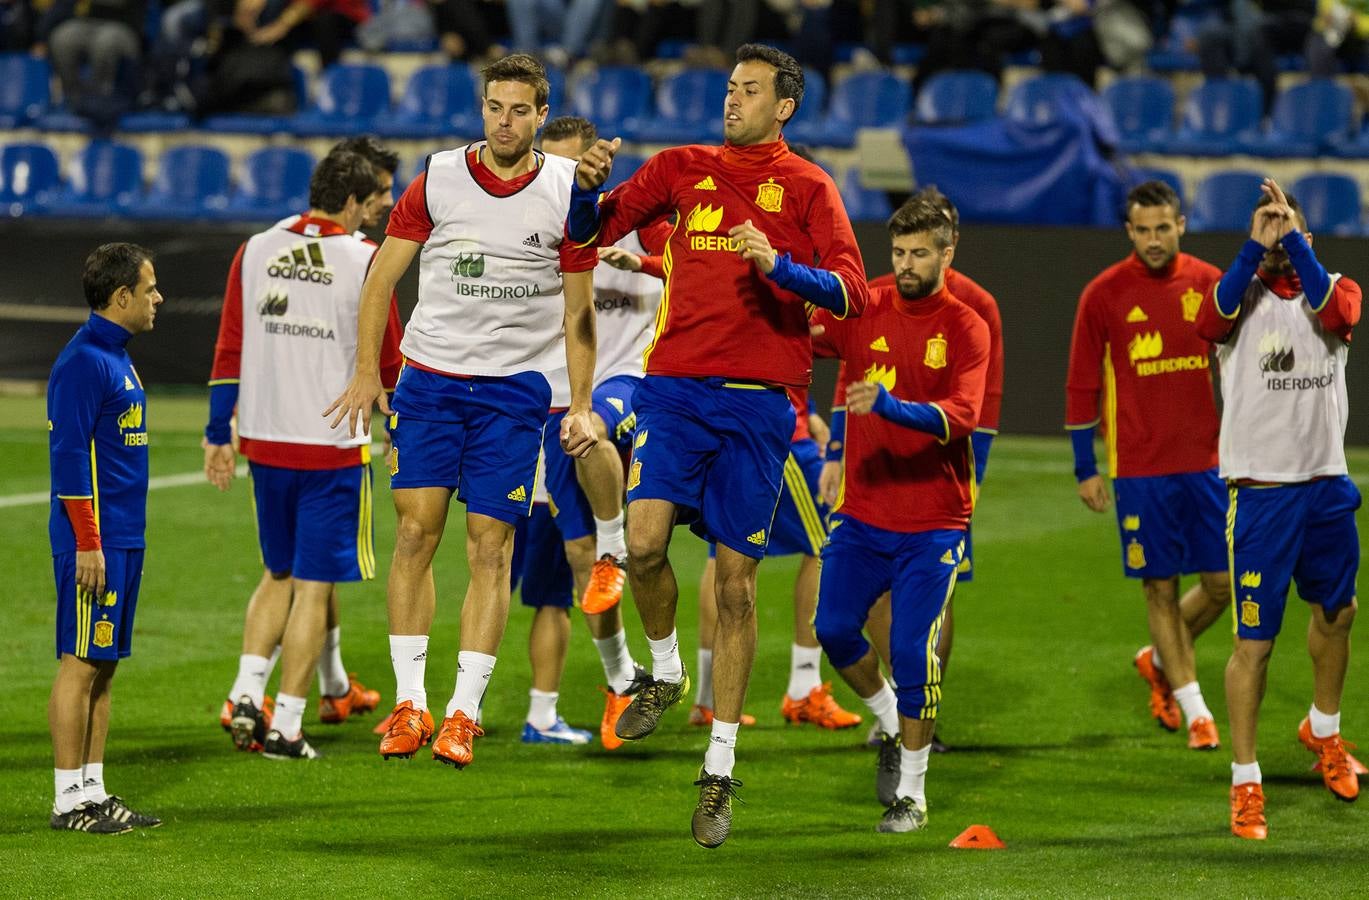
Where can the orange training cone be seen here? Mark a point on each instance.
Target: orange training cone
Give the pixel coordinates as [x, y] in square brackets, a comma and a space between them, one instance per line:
[977, 837]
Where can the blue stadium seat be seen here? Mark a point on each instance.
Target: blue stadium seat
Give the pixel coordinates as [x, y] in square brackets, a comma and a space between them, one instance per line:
[625, 165]
[349, 98]
[617, 99]
[1225, 201]
[1331, 202]
[956, 97]
[689, 106]
[29, 178]
[556, 97]
[864, 204]
[275, 184]
[1141, 175]
[192, 182]
[260, 123]
[872, 99]
[1143, 109]
[1039, 99]
[1306, 118]
[106, 179]
[811, 111]
[1217, 116]
[24, 83]
[438, 101]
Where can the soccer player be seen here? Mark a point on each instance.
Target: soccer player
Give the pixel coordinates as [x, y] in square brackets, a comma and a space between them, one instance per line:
[1136, 356]
[1283, 325]
[97, 450]
[496, 320]
[759, 234]
[286, 338]
[909, 490]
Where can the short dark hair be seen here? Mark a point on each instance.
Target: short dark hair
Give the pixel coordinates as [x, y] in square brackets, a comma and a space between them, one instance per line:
[1153, 193]
[110, 267]
[916, 216]
[788, 72]
[941, 202]
[522, 68]
[339, 175]
[376, 153]
[565, 127]
[1266, 199]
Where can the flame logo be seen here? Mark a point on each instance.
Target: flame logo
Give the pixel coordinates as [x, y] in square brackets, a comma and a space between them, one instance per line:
[885, 375]
[132, 417]
[704, 218]
[1146, 345]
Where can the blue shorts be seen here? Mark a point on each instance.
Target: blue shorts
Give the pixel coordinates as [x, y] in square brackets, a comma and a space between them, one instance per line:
[91, 628]
[539, 562]
[1172, 524]
[477, 437]
[965, 571]
[315, 524]
[801, 518]
[859, 563]
[716, 449]
[613, 403]
[569, 505]
[1297, 532]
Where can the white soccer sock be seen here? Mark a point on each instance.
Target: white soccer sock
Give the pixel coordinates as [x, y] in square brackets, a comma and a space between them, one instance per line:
[665, 658]
[884, 707]
[251, 681]
[1244, 774]
[93, 782]
[68, 790]
[332, 674]
[1323, 725]
[1155, 658]
[542, 709]
[803, 671]
[409, 658]
[704, 674]
[617, 660]
[722, 744]
[608, 537]
[1190, 697]
[289, 718]
[912, 774]
[472, 677]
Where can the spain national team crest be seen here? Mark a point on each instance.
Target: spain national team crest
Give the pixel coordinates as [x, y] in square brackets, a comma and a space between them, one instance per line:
[634, 475]
[1191, 300]
[1250, 614]
[104, 633]
[1136, 555]
[770, 196]
[936, 353]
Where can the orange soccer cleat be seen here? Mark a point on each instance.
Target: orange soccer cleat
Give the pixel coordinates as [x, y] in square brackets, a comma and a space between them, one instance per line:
[703, 715]
[409, 729]
[268, 708]
[605, 589]
[1339, 770]
[1202, 734]
[819, 708]
[1163, 707]
[614, 704]
[453, 744]
[1247, 812]
[358, 700]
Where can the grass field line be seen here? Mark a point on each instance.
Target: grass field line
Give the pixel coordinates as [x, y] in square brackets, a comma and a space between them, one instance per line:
[181, 479]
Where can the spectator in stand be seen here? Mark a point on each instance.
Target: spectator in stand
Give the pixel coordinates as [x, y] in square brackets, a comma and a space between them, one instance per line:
[332, 24]
[101, 35]
[982, 34]
[463, 32]
[1338, 40]
[1253, 36]
[241, 76]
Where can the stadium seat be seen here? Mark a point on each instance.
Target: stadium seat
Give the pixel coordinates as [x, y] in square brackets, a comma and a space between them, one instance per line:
[260, 123]
[615, 98]
[872, 99]
[956, 97]
[275, 184]
[24, 83]
[1038, 100]
[864, 204]
[811, 111]
[1217, 116]
[106, 179]
[29, 178]
[1141, 175]
[349, 99]
[438, 101]
[1331, 203]
[1225, 201]
[624, 166]
[689, 106]
[556, 97]
[1307, 117]
[1143, 109]
[192, 182]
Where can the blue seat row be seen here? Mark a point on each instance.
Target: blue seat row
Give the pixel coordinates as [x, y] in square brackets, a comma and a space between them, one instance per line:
[1331, 201]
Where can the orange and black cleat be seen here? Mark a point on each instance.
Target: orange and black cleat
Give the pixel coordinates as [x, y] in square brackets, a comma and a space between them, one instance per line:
[703, 715]
[1247, 812]
[1163, 708]
[409, 729]
[1339, 770]
[605, 589]
[453, 744]
[358, 700]
[1202, 734]
[820, 708]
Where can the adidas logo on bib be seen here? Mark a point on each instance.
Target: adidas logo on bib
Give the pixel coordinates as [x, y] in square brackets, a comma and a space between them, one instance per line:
[532, 240]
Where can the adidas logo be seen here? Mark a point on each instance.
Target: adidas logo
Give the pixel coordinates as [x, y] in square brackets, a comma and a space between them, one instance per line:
[128, 383]
[518, 494]
[73, 789]
[303, 262]
[424, 655]
[706, 185]
[1137, 314]
[880, 344]
[758, 538]
[532, 240]
[947, 558]
[807, 666]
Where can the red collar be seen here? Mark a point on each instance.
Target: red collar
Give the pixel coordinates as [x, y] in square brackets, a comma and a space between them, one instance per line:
[313, 227]
[1286, 286]
[923, 305]
[1139, 266]
[754, 156]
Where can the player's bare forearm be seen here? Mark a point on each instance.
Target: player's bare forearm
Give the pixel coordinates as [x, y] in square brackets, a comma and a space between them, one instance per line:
[577, 431]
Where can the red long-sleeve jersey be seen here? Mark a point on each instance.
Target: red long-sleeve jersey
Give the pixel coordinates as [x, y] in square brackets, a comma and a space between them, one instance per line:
[719, 315]
[1136, 349]
[933, 350]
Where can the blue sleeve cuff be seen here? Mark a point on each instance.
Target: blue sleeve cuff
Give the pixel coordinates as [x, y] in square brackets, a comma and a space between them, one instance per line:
[836, 445]
[918, 416]
[223, 399]
[981, 441]
[1316, 283]
[1231, 289]
[582, 220]
[1085, 462]
[818, 286]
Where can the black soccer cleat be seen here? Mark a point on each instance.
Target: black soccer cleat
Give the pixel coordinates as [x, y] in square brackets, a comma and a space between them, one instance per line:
[119, 811]
[901, 817]
[248, 725]
[649, 703]
[277, 747]
[713, 816]
[88, 818]
[888, 770]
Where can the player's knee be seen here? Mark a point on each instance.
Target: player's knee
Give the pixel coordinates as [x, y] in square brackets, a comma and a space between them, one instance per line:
[282, 575]
[414, 537]
[840, 636]
[1335, 622]
[736, 597]
[1161, 591]
[1252, 654]
[600, 427]
[918, 701]
[646, 556]
[490, 551]
[1217, 587]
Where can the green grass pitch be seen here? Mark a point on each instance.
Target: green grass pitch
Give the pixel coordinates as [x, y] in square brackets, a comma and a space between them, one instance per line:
[1053, 746]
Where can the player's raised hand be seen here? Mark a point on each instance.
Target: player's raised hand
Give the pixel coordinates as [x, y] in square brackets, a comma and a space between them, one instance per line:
[596, 163]
[363, 394]
[752, 244]
[577, 434]
[90, 572]
[220, 463]
[829, 482]
[861, 397]
[1094, 493]
[1273, 220]
[620, 259]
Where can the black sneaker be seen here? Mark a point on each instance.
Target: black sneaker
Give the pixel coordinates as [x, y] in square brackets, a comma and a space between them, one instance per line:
[902, 816]
[118, 810]
[888, 769]
[88, 818]
[648, 704]
[713, 815]
[938, 745]
[277, 747]
[248, 726]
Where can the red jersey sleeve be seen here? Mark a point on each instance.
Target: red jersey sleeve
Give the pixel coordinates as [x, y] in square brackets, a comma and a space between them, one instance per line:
[228, 347]
[643, 198]
[654, 266]
[836, 247]
[410, 219]
[1210, 323]
[964, 403]
[1340, 313]
[1087, 346]
[829, 343]
[983, 303]
[655, 235]
[576, 257]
